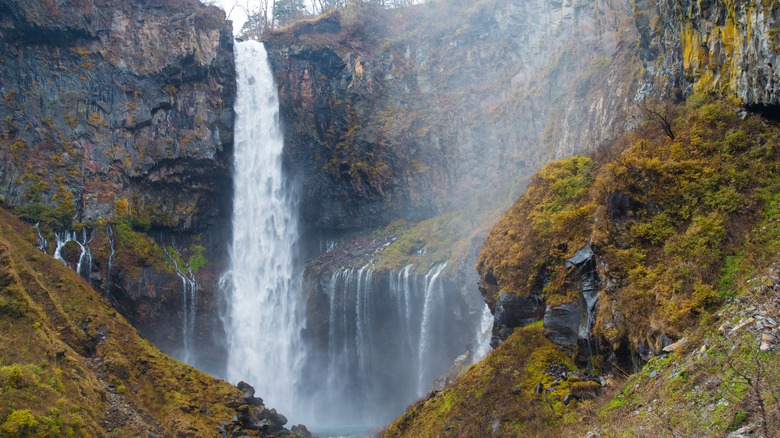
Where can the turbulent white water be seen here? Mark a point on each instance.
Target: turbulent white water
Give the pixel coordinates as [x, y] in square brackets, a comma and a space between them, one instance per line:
[264, 317]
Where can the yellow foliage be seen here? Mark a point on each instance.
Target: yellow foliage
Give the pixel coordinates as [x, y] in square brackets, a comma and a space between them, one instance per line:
[358, 68]
[122, 207]
[662, 217]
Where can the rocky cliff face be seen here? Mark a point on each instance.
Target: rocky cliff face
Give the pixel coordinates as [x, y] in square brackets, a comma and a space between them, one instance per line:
[118, 115]
[731, 47]
[388, 118]
[404, 118]
[117, 106]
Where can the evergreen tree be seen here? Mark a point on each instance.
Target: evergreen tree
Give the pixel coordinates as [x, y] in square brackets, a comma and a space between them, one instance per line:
[288, 11]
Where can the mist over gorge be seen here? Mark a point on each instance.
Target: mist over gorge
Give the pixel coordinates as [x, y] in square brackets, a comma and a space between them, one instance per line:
[407, 133]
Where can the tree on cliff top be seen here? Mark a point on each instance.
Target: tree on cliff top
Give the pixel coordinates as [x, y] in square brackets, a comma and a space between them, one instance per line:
[288, 11]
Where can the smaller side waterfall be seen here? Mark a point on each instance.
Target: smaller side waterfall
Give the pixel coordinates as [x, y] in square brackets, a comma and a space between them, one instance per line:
[111, 256]
[485, 333]
[43, 244]
[189, 300]
[84, 267]
[390, 334]
[84, 264]
[433, 292]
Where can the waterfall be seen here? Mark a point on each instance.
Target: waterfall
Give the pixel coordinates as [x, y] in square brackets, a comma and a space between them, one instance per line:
[42, 243]
[84, 264]
[433, 291]
[389, 335]
[485, 333]
[263, 315]
[189, 300]
[111, 256]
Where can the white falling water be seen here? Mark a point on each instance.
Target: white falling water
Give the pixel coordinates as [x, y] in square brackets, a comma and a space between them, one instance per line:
[389, 336]
[189, 300]
[433, 293]
[263, 315]
[485, 332]
[84, 264]
[42, 243]
[112, 245]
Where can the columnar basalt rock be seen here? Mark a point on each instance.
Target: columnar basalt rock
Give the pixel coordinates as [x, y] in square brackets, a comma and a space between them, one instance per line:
[730, 47]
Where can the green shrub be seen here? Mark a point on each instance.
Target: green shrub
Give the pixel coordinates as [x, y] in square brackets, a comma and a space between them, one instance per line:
[35, 212]
[197, 260]
[20, 423]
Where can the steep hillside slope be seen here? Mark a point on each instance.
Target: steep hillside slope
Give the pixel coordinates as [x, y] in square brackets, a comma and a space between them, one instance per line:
[620, 256]
[72, 366]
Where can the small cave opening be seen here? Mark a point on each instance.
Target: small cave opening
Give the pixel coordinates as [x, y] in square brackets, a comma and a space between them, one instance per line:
[768, 111]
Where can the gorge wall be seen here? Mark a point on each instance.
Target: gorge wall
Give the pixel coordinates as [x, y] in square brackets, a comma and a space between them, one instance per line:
[406, 123]
[395, 115]
[117, 116]
[404, 119]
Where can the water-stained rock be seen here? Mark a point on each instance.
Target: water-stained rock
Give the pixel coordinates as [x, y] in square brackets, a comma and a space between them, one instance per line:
[513, 311]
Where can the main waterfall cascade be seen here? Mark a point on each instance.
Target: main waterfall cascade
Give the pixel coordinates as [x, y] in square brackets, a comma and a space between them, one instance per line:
[388, 335]
[264, 313]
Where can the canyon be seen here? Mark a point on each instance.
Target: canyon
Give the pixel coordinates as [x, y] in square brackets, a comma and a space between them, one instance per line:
[407, 134]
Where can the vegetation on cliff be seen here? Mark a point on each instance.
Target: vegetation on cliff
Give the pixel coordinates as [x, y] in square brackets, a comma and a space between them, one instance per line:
[664, 215]
[498, 396]
[72, 366]
[682, 218]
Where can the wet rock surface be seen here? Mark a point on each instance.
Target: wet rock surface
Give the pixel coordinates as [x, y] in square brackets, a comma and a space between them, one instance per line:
[254, 419]
[566, 324]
